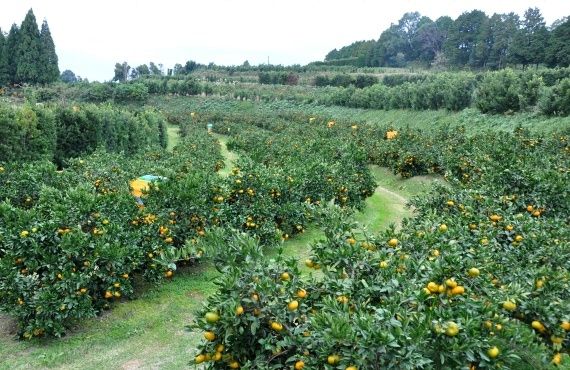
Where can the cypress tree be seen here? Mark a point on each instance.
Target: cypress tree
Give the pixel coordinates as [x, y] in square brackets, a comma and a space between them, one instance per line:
[4, 78]
[48, 67]
[29, 50]
[11, 53]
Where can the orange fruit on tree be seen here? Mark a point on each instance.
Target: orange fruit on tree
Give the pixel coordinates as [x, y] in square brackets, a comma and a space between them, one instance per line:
[276, 326]
[333, 359]
[210, 335]
[458, 290]
[509, 305]
[393, 242]
[293, 305]
[212, 317]
[299, 365]
[200, 358]
[495, 218]
[301, 293]
[473, 272]
[239, 310]
[537, 325]
[451, 283]
[452, 329]
[493, 352]
[565, 325]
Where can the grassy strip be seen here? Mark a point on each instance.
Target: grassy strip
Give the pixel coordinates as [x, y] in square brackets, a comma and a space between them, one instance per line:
[147, 332]
[173, 136]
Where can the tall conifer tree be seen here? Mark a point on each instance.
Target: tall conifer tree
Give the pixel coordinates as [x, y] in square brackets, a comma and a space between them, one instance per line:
[11, 52]
[4, 78]
[29, 50]
[49, 68]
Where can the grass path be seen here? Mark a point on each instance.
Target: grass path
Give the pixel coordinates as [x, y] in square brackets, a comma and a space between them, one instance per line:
[148, 331]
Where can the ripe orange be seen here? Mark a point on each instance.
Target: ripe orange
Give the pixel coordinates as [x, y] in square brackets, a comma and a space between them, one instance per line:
[200, 358]
[473, 272]
[333, 359]
[509, 305]
[108, 294]
[299, 365]
[458, 290]
[451, 283]
[433, 287]
[537, 325]
[239, 310]
[301, 293]
[234, 365]
[285, 276]
[495, 218]
[452, 329]
[393, 242]
[212, 317]
[493, 352]
[293, 305]
[276, 326]
[169, 273]
[210, 335]
[565, 325]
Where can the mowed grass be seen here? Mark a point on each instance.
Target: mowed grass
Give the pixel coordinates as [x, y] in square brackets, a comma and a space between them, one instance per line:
[388, 204]
[230, 158]
[146, 332]
[173, 136]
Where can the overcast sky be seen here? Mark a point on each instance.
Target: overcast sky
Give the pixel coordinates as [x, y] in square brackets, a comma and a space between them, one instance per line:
[91, 36]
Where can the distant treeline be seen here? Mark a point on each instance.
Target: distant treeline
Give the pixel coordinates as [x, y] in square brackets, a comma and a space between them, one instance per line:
[472, 40]
[27, 54]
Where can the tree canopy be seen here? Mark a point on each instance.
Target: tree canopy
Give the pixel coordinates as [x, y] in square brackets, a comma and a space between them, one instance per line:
[473, 40]
[27, 54]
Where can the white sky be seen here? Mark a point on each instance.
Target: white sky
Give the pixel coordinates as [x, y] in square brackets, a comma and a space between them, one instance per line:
[91, 36]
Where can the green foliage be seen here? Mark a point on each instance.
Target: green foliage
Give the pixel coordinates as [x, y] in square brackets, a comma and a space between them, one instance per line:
[135, 92]
[29, 51]
[278, 78]
[4, 76]
[49, 70]
[38, 132]
[28, 133]
[555, 100]
[558, 52]
[389, 299]
[498, 92]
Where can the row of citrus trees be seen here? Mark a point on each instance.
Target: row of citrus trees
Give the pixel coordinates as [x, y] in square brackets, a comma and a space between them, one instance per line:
[479, 278]
[74, 239]
[57, 132]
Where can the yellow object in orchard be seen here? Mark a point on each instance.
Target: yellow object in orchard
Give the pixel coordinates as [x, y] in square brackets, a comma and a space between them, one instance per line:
[392, 134]
[141, 185]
